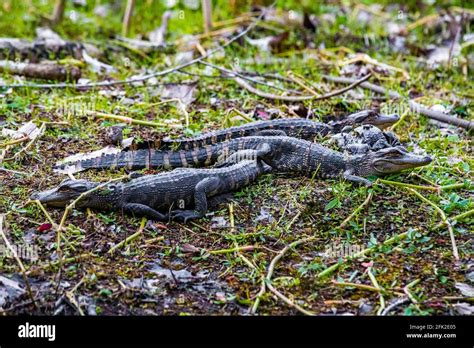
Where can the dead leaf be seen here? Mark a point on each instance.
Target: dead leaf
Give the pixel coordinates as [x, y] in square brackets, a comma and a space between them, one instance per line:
[9, 290]
[189, 248]
[185, 92]
[465, 289]
[463, 308]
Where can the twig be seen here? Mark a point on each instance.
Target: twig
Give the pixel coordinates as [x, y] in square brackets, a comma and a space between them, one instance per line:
[288, 301]
[377, 286]
[299, 82]
[456, 218]
[207, 15]
[421, 187]
[149, 76]
[232, 250]
[232, 74]
[127, 18]
[406, 290]
[263, 94]
[17, 259]
[58, 11]
[359, 286]
[129, 238]
[2, 169]
[236, 246]
[130, 120]
[14, 142]
[414, 106]
[443, 217]
[364, 252]
[357, 210]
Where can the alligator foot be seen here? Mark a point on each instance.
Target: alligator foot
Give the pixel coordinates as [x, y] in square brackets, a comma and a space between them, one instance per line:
[185, 215]
[357, 179]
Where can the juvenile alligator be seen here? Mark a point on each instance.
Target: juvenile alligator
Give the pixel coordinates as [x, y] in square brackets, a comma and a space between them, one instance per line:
[283, 154]
[294, 127]
[365, 138]
[148, 195]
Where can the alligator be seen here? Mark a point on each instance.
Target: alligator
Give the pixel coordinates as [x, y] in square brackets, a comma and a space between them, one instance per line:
[295, 127]
[147, 195]
[282, 153]
[363, 139]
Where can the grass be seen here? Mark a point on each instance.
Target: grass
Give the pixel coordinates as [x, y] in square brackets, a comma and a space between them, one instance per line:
[271, 214]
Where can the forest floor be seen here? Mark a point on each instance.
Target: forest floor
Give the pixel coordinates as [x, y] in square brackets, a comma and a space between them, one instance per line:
[217, 265]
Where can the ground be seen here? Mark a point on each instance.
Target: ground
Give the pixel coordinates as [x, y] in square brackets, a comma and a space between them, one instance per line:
[198, 268]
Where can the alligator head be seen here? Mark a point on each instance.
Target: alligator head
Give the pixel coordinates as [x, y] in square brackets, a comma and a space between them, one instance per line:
[386, 161]
[65, 192]
[372, 117]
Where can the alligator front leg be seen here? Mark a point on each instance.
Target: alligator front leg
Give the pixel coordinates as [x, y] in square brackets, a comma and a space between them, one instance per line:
[202, 190]
[144, 210]
[356, 179]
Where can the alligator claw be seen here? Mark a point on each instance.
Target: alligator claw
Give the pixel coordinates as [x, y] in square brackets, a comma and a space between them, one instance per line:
[184, 215]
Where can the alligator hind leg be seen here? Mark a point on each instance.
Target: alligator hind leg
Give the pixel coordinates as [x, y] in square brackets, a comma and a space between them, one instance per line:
[144, 210]
[245, 155]
[203, 188]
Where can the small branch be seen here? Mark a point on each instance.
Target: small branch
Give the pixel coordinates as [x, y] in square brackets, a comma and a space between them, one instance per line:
[14, 142]
[130, 120]
[232, 250]
[377, 286]
[58, 11]
[207, 15]
[443, 217]
[359, 286]
[127, 18]
[456, 218]
[129, 238]
[357, 210]
[149, 76]
[43, 71]
[414, 106]
[266, 95]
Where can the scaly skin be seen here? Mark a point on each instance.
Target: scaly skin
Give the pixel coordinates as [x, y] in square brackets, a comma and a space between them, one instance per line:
[283, 154]
[364, 139]
[294, 127]
[151, 195]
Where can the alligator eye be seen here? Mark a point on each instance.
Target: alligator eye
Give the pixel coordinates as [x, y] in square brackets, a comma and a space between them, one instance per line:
[64, 188]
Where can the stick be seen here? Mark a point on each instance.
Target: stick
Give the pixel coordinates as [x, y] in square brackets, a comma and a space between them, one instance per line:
[149, 76]
[127, 18]
[44, 71]
[414, 106]
[358, 209]
[129, 238]
[443, 217]
[58, 11]
[207, 15]
[130, 120]
[377, 286]
[457, 218]
[359, 286]
[263, 94]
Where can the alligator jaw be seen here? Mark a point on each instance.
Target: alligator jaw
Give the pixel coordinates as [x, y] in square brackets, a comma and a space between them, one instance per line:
[407, 161]
[52, 197]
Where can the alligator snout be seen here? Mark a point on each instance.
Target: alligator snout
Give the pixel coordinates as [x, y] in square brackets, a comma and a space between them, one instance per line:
[426, 160]
[34, 196]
